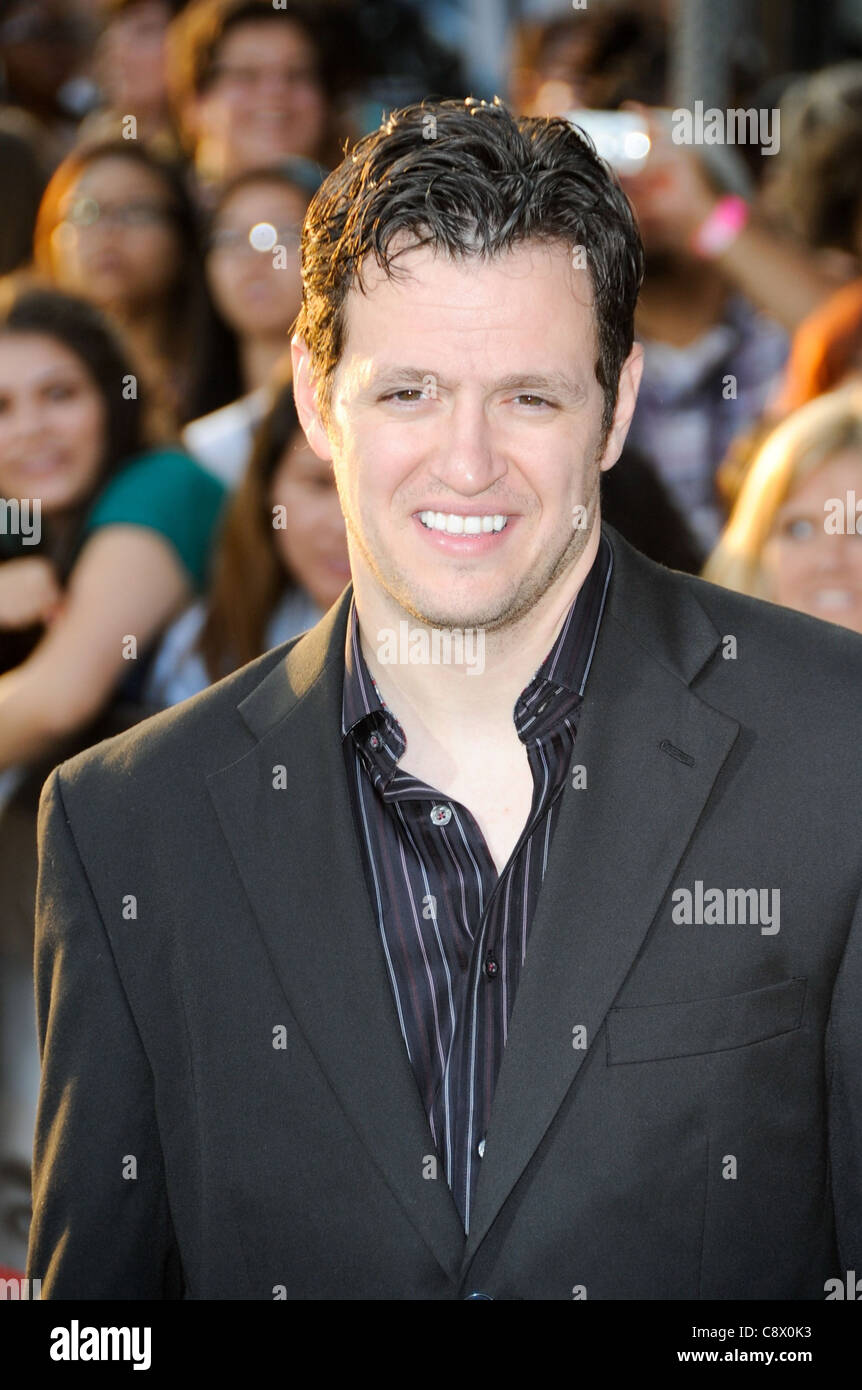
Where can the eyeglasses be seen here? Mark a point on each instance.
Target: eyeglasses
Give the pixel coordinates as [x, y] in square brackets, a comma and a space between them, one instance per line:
[262, 237]
[84, 212]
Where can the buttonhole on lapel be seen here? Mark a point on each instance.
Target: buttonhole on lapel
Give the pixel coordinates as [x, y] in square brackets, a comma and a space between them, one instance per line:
[667, 747]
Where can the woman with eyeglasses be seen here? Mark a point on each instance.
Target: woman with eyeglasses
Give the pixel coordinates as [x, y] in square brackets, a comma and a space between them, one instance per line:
[117, 225]
[253, 82]
[253, 275]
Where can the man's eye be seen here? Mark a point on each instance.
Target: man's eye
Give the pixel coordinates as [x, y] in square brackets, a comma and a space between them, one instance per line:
[532, 400]
[413, 392]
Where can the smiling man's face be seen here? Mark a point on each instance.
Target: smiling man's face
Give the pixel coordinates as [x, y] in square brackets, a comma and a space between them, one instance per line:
[466, 398]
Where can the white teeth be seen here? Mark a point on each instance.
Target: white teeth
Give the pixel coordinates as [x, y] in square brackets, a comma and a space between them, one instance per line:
[456, 525]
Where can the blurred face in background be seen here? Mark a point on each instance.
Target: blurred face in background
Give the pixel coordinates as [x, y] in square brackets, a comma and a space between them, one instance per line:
[44, 42]
[52, 423]
[257, 292]
[117, 243]
[131, 58]
[806, 567]
[313, 544]
[555, 85]
[263, 101]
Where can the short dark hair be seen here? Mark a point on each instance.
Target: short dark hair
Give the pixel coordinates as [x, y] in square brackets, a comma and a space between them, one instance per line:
[485, 182]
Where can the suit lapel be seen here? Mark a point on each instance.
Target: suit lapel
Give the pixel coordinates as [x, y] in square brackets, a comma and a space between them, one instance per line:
[297, 854]
[615, 850]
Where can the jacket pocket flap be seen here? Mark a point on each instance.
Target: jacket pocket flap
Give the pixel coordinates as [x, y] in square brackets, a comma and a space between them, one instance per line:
[648, 1032]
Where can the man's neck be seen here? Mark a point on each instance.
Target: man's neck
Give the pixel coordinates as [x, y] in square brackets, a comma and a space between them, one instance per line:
[449, 704]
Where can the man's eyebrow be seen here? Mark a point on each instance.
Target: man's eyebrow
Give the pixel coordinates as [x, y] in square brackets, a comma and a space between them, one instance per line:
[553, 383]
[391, 378]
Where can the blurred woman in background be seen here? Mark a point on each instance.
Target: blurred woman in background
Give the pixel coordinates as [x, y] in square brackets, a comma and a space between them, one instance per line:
[117, 226]
[253, 276]
[281, 563]
[253, 82]
[129, 65]
[795, 534]
[124, 533]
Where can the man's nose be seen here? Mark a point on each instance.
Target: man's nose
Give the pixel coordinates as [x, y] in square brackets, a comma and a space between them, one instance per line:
[469, 458]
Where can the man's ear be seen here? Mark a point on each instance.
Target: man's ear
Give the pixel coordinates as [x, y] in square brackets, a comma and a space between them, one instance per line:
[304, 395]
[627, 394]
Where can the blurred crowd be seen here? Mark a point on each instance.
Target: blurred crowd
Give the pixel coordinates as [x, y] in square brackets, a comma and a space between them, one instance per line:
[156, 162]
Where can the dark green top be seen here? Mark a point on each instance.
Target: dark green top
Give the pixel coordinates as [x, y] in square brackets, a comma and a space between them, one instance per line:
[168, 492]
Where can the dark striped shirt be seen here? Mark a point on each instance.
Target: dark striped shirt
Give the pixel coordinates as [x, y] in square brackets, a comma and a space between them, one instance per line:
[455, 933]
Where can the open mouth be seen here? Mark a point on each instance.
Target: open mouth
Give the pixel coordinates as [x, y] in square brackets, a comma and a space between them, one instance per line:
[455, 524]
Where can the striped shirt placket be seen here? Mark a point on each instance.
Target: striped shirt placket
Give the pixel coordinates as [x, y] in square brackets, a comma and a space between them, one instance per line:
[435, 973]
[438, 1036]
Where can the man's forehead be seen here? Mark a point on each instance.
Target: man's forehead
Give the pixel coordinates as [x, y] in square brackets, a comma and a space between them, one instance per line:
[422, 266]
[532, 288]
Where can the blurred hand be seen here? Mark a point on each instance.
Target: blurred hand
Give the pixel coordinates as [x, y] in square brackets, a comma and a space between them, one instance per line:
[29, 592]
[671, 195]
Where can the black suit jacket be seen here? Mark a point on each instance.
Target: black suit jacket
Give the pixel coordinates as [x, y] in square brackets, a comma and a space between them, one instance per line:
[227, 1107]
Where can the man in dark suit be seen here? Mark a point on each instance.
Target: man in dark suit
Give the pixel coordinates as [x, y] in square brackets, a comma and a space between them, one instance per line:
[531, 970]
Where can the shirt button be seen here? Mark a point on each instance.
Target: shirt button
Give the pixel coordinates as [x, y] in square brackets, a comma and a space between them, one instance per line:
[441, 815]
[480, 1148]
[492, 966]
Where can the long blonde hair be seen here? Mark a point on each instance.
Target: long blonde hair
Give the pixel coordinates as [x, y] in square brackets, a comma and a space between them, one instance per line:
[794, 450]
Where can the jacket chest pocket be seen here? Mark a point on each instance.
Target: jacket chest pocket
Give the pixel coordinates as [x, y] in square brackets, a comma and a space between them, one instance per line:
[649, 1032]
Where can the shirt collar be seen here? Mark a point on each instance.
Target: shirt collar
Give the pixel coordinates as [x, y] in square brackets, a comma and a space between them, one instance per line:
[564, 670]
